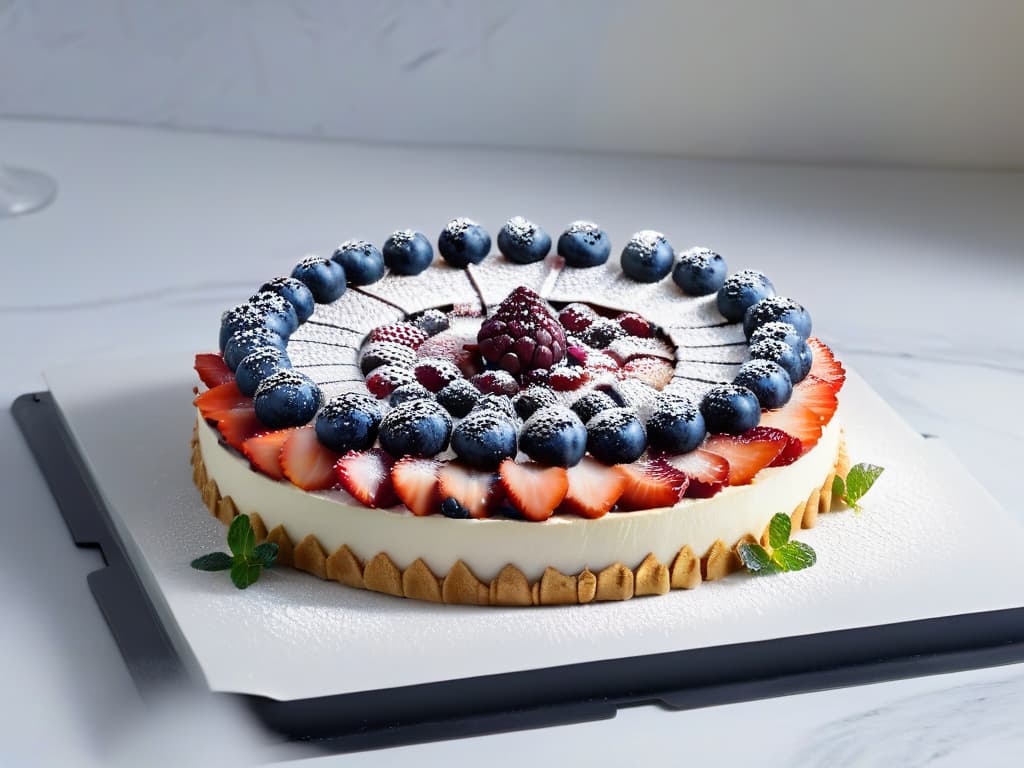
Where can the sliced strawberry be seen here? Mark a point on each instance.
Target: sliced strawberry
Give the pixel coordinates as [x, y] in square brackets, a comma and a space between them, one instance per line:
[264, 452]
[653, 371]
[306, 462]
[576, 317]
[534, 490]
[707, 471]
[239, 424]
[635, 325]
[651, 484]
[386, 379]
[817, 395]
[594, 488]
[366, 475]
[474, 489]
[748, 453]
[794, 450]
[455, 347]
[825, 365]
[565, 378]
[797, 421]
[415, 483]
[219, 399]
[399, 333]
[212, 370]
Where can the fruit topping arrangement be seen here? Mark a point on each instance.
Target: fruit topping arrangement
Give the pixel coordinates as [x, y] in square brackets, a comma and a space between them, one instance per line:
[529, 410]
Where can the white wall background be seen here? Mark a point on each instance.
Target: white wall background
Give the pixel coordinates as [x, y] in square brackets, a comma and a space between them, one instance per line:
[921, 82]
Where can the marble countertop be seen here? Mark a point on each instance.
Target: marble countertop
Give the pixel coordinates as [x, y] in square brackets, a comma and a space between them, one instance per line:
[914, 276]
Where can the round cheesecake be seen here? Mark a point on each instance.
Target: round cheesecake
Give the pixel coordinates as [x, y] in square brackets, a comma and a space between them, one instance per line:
[647, 342]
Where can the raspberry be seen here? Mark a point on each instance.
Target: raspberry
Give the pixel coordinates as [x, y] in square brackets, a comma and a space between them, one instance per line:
[522, 335]
[399, 333]
[575, 317]
[567, 378]
[434, 373]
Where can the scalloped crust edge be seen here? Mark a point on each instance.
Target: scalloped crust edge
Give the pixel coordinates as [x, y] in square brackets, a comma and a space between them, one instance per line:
[510, 587]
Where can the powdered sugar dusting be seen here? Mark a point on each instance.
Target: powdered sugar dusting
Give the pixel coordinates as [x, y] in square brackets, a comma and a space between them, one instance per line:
[440, 284]
[646, 240]
[496, 276]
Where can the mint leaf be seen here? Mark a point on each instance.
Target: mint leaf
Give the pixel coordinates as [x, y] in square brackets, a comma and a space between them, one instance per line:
[265, 554]
[859, 481]
[839, 487]
[755, 558]
[779, 530]
[794, 556]
[244, 572]
[215, 561]
[241, 539]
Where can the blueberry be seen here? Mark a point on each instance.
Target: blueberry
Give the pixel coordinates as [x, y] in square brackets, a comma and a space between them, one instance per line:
[584, 244]
[324, 278]
[767, 380]
[776, 331]
[484, 439]
[647, 257]
[244, 343]
[601, 333]
[415, 428]
[591, 404]
[406, 392]
[407, 252]
[781, 353]
[295, 292]
[616, 436]
[458, 397]
[777, 309]
[281, 315]
[742, 290]
[463, 242]
[258, 365]
[699, 272]
[451, 507]
[522, 241]
[287, 399]
[493, 402]
[244, 317]
[362, 261]
[530, 399]
[554, 435]
[349, 422]
[730, 409]
[806, 359]
[676, 426]
[432, 322]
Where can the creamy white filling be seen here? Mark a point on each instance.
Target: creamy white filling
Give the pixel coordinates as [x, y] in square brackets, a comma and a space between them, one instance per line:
[567, 543]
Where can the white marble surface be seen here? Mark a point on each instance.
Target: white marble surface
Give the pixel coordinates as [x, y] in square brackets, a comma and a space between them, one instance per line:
[914, 276]
[926, 82]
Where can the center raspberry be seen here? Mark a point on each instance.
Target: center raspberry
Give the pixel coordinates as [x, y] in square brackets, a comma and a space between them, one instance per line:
[522, 335]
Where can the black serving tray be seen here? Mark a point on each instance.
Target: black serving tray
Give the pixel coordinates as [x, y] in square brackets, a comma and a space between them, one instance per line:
[519, 700]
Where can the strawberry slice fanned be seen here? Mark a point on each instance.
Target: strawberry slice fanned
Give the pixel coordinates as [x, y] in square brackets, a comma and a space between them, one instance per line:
[535, 491]
[825, 365]
[748, 453]
[306, 462]
[594, 488]
[796, 420]
[794, 450]
[212, 370]
[224, 397]
[818, 395]
[415, 484]
[707, 472]
[651, 484]
[264, 452]
[238, 425]
[475, 490]
[366, 475]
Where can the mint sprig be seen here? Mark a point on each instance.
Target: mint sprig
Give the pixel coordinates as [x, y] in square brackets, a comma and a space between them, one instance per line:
[859, 481]
[781, 554]
[247, 559]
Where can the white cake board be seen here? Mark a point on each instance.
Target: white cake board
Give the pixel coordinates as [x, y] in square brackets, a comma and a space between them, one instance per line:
[930, 542]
